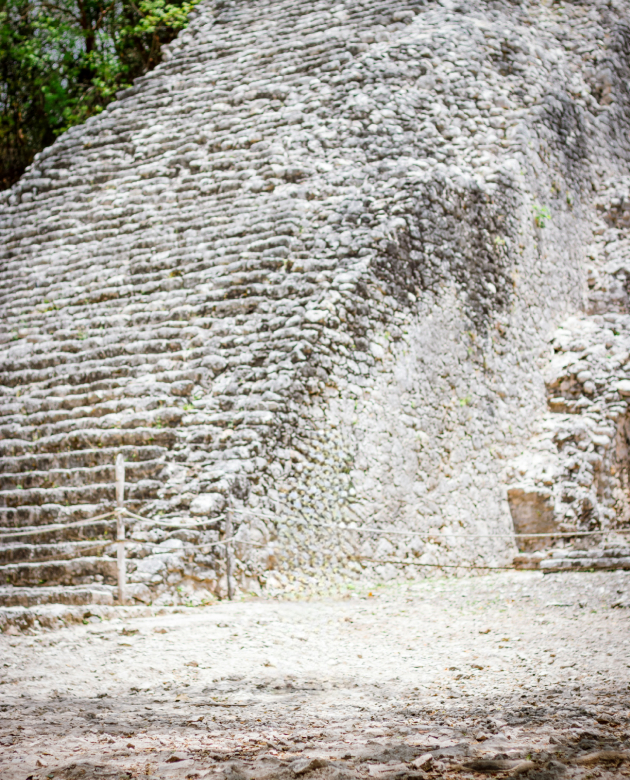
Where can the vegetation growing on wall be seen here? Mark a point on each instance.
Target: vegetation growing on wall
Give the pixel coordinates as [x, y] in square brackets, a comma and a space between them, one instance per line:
[62, 61]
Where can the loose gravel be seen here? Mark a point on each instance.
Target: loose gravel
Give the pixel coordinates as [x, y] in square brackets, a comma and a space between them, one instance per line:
[511, 674]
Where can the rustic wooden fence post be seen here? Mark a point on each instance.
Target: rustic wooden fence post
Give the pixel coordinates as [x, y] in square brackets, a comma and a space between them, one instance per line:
[229, 553]
[120, 527]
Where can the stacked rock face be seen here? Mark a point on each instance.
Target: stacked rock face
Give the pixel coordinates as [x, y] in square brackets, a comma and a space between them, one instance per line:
[574, 473]
[308, 268]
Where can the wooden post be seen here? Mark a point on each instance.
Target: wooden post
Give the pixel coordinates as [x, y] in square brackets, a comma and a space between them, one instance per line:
[229, 559]
[120, 527]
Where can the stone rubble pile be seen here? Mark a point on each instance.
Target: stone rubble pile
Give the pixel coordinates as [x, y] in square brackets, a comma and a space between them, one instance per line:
[574, 474]
[306, 270]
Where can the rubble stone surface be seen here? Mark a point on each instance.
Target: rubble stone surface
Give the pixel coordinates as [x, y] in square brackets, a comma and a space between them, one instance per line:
[307, 271]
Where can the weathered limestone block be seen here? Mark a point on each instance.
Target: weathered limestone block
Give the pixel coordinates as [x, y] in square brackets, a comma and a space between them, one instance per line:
[532, 511]
[207, 504]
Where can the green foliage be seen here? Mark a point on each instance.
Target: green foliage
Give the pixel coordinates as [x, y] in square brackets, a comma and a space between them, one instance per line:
[62, 61]
[542, 215]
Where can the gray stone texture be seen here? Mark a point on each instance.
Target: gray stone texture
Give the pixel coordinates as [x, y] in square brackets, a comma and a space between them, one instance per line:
[328, 263]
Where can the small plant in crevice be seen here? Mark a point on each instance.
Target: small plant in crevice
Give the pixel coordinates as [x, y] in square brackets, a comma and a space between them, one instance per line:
[542, 215]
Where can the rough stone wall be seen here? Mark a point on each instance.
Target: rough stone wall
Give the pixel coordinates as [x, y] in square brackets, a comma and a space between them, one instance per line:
[311, 263]
[574, 473]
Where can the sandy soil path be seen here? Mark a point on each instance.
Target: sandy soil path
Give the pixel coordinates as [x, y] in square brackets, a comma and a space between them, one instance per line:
[514, 674]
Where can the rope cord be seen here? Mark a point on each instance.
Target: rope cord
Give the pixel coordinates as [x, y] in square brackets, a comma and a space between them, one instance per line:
[42, 529]
[436, 565]
[34, 530]
[428, 534]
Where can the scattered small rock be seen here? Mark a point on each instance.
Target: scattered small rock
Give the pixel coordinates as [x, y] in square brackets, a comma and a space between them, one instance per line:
[303, 765]
[522, 767]
[602, 757]
[491, 765]
[424, 761]
[175, 757]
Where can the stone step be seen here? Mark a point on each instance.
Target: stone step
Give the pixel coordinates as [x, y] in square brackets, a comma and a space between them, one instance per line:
[77, 477]
[87, 530]
[79, 459]
[76, 595]
[601, 559]
[605, 558]
[18, 619]
[90, 493]
[88, 438]
[24, 517]
[89, 357]
[35, 427]
[31, 553]
[79, 571]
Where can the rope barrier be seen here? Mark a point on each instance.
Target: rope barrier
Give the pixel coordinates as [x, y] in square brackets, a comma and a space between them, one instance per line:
[436, 565]
[120, 512]
[40, 529]
[429, 534]
[34, 530]
[171, 524]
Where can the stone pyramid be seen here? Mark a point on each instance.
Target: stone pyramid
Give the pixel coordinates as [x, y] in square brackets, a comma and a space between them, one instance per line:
[308, 271]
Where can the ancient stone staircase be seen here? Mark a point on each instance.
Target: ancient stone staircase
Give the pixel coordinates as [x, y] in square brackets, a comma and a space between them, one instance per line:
[293, 263]
[193, 338]
[47, 535]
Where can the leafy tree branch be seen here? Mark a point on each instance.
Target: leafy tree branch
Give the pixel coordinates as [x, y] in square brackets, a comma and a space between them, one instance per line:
[62, 61]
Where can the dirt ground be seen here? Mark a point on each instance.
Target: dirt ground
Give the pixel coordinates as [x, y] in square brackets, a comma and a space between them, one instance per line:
[511, 674]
